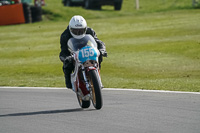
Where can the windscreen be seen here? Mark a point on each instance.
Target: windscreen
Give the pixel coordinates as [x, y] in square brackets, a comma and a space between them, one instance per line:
[76, 44]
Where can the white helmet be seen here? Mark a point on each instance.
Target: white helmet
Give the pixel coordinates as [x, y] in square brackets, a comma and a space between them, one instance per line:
[77, 26]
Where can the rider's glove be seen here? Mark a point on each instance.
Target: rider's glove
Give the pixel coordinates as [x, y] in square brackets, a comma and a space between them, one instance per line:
[68, 59]
[103, 53]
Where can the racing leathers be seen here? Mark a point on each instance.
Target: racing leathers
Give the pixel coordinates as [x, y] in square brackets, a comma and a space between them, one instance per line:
[65, 55]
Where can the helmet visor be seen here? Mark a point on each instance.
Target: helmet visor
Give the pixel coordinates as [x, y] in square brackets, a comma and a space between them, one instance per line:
[78, 31]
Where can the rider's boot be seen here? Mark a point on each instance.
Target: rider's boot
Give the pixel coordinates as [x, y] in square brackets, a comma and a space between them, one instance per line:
[68, 81]
[67, 69]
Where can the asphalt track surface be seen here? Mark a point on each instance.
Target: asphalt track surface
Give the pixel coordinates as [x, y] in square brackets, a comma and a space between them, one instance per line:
[30, 110]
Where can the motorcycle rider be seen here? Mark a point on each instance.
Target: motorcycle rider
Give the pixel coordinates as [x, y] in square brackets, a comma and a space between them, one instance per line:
[77, 28]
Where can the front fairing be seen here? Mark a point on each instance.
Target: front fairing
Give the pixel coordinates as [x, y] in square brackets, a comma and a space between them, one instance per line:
[84, 49]
[85, 55]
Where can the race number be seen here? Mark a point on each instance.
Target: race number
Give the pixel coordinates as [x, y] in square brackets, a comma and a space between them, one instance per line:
[87, 53]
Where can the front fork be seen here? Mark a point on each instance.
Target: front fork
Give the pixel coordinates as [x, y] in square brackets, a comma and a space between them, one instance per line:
[85, 79]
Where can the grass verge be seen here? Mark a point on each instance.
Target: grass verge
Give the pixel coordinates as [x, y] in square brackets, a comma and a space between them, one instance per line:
[154, 48]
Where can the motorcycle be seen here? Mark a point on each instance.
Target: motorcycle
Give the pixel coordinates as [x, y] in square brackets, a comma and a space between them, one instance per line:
[85, 79]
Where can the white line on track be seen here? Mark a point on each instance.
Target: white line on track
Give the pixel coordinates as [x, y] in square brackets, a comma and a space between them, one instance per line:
[157, 91]
[111, 89]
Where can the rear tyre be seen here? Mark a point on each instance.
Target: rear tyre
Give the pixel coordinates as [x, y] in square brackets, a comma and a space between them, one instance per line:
[96, 89]
[27, 13]
[83, 104]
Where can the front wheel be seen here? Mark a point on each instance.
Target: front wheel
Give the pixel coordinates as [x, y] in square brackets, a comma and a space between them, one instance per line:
[96, 89]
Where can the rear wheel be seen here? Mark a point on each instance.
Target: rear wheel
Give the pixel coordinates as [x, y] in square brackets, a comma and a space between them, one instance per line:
[83, 104]
[96, 89]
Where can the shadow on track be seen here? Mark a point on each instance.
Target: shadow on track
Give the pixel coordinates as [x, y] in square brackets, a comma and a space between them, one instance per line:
[47, 112]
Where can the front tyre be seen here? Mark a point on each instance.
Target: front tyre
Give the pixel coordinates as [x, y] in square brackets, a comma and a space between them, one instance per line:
[96, 89]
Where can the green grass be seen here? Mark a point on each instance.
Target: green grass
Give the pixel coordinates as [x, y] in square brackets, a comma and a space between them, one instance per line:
[157, 47]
